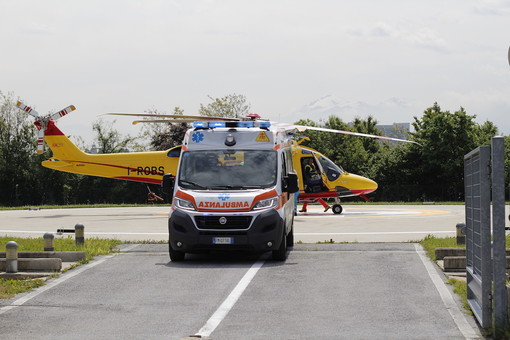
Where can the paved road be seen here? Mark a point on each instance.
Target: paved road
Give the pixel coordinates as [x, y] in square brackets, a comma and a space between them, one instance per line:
[358, 223]
[337, 291]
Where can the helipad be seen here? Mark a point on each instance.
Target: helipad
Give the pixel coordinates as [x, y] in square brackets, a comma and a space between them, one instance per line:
[358, 223]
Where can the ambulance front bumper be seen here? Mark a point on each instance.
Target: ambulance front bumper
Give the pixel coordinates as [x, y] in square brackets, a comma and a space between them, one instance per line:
[195, 233]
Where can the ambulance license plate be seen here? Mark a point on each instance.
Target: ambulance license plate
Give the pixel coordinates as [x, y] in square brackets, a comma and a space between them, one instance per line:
[223, 240]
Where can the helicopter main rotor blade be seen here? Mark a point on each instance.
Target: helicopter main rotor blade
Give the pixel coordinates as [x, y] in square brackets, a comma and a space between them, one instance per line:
[303, 128]
[27, 109]
[194, 118]
[169, 121]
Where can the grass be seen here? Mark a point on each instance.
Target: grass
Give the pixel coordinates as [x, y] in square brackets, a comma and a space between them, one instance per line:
[93, 247]
[72, 206]
[460, 288]
[430, 243]
[9, 288]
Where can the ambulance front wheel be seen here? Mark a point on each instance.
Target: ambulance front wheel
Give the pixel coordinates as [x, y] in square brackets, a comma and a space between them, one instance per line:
[175, 255]
[337, 209]
[281, 253]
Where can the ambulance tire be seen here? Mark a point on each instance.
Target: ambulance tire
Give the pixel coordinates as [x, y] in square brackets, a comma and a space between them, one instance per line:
[290, 237]
[281, 253]
[175, 255]
[337, 209]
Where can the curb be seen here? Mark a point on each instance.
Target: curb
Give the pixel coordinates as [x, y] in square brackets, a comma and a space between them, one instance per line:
[37, 264]
[65, 256]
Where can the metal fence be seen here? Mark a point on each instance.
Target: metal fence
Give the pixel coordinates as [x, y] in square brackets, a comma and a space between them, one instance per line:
[486, 260]
[478, 235]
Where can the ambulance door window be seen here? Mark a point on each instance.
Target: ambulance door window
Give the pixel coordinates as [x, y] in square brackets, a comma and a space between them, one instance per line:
[284, 166]
[288, 159]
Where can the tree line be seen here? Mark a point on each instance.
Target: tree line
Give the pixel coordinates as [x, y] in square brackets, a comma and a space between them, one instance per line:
[431, 170]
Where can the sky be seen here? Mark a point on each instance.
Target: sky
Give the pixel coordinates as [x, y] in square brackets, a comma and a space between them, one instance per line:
[291, 59]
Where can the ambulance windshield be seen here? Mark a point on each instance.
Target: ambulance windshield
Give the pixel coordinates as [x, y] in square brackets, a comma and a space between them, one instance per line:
[232, 169]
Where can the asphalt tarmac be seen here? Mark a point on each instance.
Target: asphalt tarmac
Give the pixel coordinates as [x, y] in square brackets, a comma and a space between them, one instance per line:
[327, 291]
[332, 291]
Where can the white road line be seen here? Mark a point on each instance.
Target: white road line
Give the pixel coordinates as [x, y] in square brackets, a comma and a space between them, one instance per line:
[450, 304]
[230, 301]
[382, 233]
[55, 282]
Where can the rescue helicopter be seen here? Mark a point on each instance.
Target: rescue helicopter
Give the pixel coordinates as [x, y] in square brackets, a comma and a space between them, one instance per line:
[331, 182]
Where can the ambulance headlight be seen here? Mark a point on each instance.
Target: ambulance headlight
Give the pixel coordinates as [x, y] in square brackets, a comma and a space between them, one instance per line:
[183, 204]
[268, 203]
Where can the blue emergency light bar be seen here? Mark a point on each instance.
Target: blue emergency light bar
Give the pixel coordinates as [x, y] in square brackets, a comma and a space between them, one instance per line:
[200, 125]
[241, 124]
[216, 124]
[264, 125]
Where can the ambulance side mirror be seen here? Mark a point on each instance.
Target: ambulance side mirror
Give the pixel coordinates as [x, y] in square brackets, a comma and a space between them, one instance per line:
[291, 183]
[167, 184]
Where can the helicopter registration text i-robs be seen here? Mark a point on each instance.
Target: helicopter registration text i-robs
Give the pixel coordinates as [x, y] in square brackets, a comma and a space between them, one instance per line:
[234, 190]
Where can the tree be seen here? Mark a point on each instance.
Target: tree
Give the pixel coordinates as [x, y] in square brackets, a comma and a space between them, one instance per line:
[434, 167]
[110, 140]
[164, 136]
[345, 150]
[368, 126]
[230, 106]
[17, 152]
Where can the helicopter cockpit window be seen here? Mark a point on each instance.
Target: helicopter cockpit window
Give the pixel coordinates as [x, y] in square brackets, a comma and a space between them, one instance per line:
[332, 170]
[175, 152]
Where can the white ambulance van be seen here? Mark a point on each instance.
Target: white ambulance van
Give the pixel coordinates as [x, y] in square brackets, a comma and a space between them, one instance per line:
[234, 190]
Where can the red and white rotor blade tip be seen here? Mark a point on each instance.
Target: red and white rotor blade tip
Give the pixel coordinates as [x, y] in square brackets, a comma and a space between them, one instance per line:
[40, 141]
[27, 109]
[63, 112]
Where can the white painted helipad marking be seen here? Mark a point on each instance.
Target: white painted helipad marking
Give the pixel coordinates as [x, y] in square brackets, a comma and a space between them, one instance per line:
[367, 212]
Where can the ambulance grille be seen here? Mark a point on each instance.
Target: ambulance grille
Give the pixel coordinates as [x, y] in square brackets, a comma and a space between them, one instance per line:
[232, 222]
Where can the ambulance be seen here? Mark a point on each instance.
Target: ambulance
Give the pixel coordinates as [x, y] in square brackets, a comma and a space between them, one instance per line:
[233, 191]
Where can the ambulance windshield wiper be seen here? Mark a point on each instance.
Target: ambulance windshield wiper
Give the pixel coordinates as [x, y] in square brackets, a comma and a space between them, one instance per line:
[189, 183]
[235, 187]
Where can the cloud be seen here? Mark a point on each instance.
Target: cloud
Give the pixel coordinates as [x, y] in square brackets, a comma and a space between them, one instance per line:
[427, 38]
[492, 7]
[36, 28]
[379, 30]
[423, 37]
[387, 111]
[382, 29]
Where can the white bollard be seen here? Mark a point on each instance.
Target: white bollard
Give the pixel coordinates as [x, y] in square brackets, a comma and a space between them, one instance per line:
[11, 257]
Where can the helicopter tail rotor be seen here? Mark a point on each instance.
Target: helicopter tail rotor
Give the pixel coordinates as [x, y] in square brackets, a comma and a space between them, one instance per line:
[41, 122]
[27, 109]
